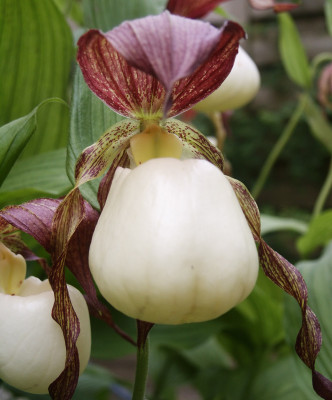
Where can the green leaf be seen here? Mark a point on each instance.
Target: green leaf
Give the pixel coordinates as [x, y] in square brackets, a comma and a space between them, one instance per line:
[35, 57]
[328, 15]
[318, 276]
[319, 125]
[292, 52]
[105, 14]
[13, 138]
[15, 135]
[280, 381]
[41, 176]
[90, 118]
[318, 234]
[271, 223]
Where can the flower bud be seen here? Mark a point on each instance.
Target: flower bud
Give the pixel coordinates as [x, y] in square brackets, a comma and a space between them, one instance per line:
[240, 87]
[172, 244]
[32, 351]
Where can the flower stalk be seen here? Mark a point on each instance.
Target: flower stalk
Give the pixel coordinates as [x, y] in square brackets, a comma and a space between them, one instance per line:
[321, 199]
[142, 366]
[279, 146]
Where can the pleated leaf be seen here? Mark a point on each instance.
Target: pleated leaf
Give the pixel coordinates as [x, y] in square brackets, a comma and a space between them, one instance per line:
[35, 58]
[105, 14]
[318, 235]
[39, 176]
[292, 52]
[15, 135]
[318, 276]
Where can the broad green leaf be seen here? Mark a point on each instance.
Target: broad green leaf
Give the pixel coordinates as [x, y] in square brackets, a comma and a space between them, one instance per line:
[292, 52]
[13, 138]
[185, 335]
[41, 176]
[35, 58]
[15, 135]
[319, 125]
[318, 234]
[328, 15]
[280, 381]
[90, 118]
[105, 14]
[271, 223]
[318, 276]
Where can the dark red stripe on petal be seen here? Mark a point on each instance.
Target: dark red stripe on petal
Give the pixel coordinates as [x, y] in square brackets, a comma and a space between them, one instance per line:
[167, 46]
[288, 278]
[123, 88]
[121, 160]
[192, 8]
[95, 159]
[195, 144]
[34, 218]
[210, 75]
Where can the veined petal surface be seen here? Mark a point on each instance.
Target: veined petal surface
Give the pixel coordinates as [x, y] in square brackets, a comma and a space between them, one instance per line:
[122, 87]
[289, 279]
[192, 8]
[131, 66]
[166, 46]
[209, 75]
[195, 144]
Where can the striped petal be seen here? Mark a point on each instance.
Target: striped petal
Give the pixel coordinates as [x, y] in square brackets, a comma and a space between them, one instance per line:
[141, 67]
[125, 89]
[289, 279]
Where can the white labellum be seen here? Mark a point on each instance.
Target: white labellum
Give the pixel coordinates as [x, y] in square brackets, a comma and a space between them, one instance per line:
[172, 244]
[238, 89]
[32, 351]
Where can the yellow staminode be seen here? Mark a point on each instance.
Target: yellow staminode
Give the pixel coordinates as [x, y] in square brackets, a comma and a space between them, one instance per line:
[154, 142]
[12, 271]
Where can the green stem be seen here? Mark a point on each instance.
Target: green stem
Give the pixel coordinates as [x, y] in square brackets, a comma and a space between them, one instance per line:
[142, 364]
[277, 149]
[325, 190]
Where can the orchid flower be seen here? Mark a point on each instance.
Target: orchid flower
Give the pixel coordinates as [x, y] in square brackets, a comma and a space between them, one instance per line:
[25, 315]
[149, 70]
[141, 73]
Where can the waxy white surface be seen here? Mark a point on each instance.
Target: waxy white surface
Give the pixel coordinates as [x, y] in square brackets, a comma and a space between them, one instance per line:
[238, 89]
[32, 351]
[172, 244]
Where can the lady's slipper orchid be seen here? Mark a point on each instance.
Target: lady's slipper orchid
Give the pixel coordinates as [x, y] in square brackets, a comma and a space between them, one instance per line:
[241, 86]
[148, 70]
[33, 352]
[172, 244]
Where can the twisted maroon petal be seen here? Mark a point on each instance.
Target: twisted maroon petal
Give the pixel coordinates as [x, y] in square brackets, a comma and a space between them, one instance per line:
[288, 278]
